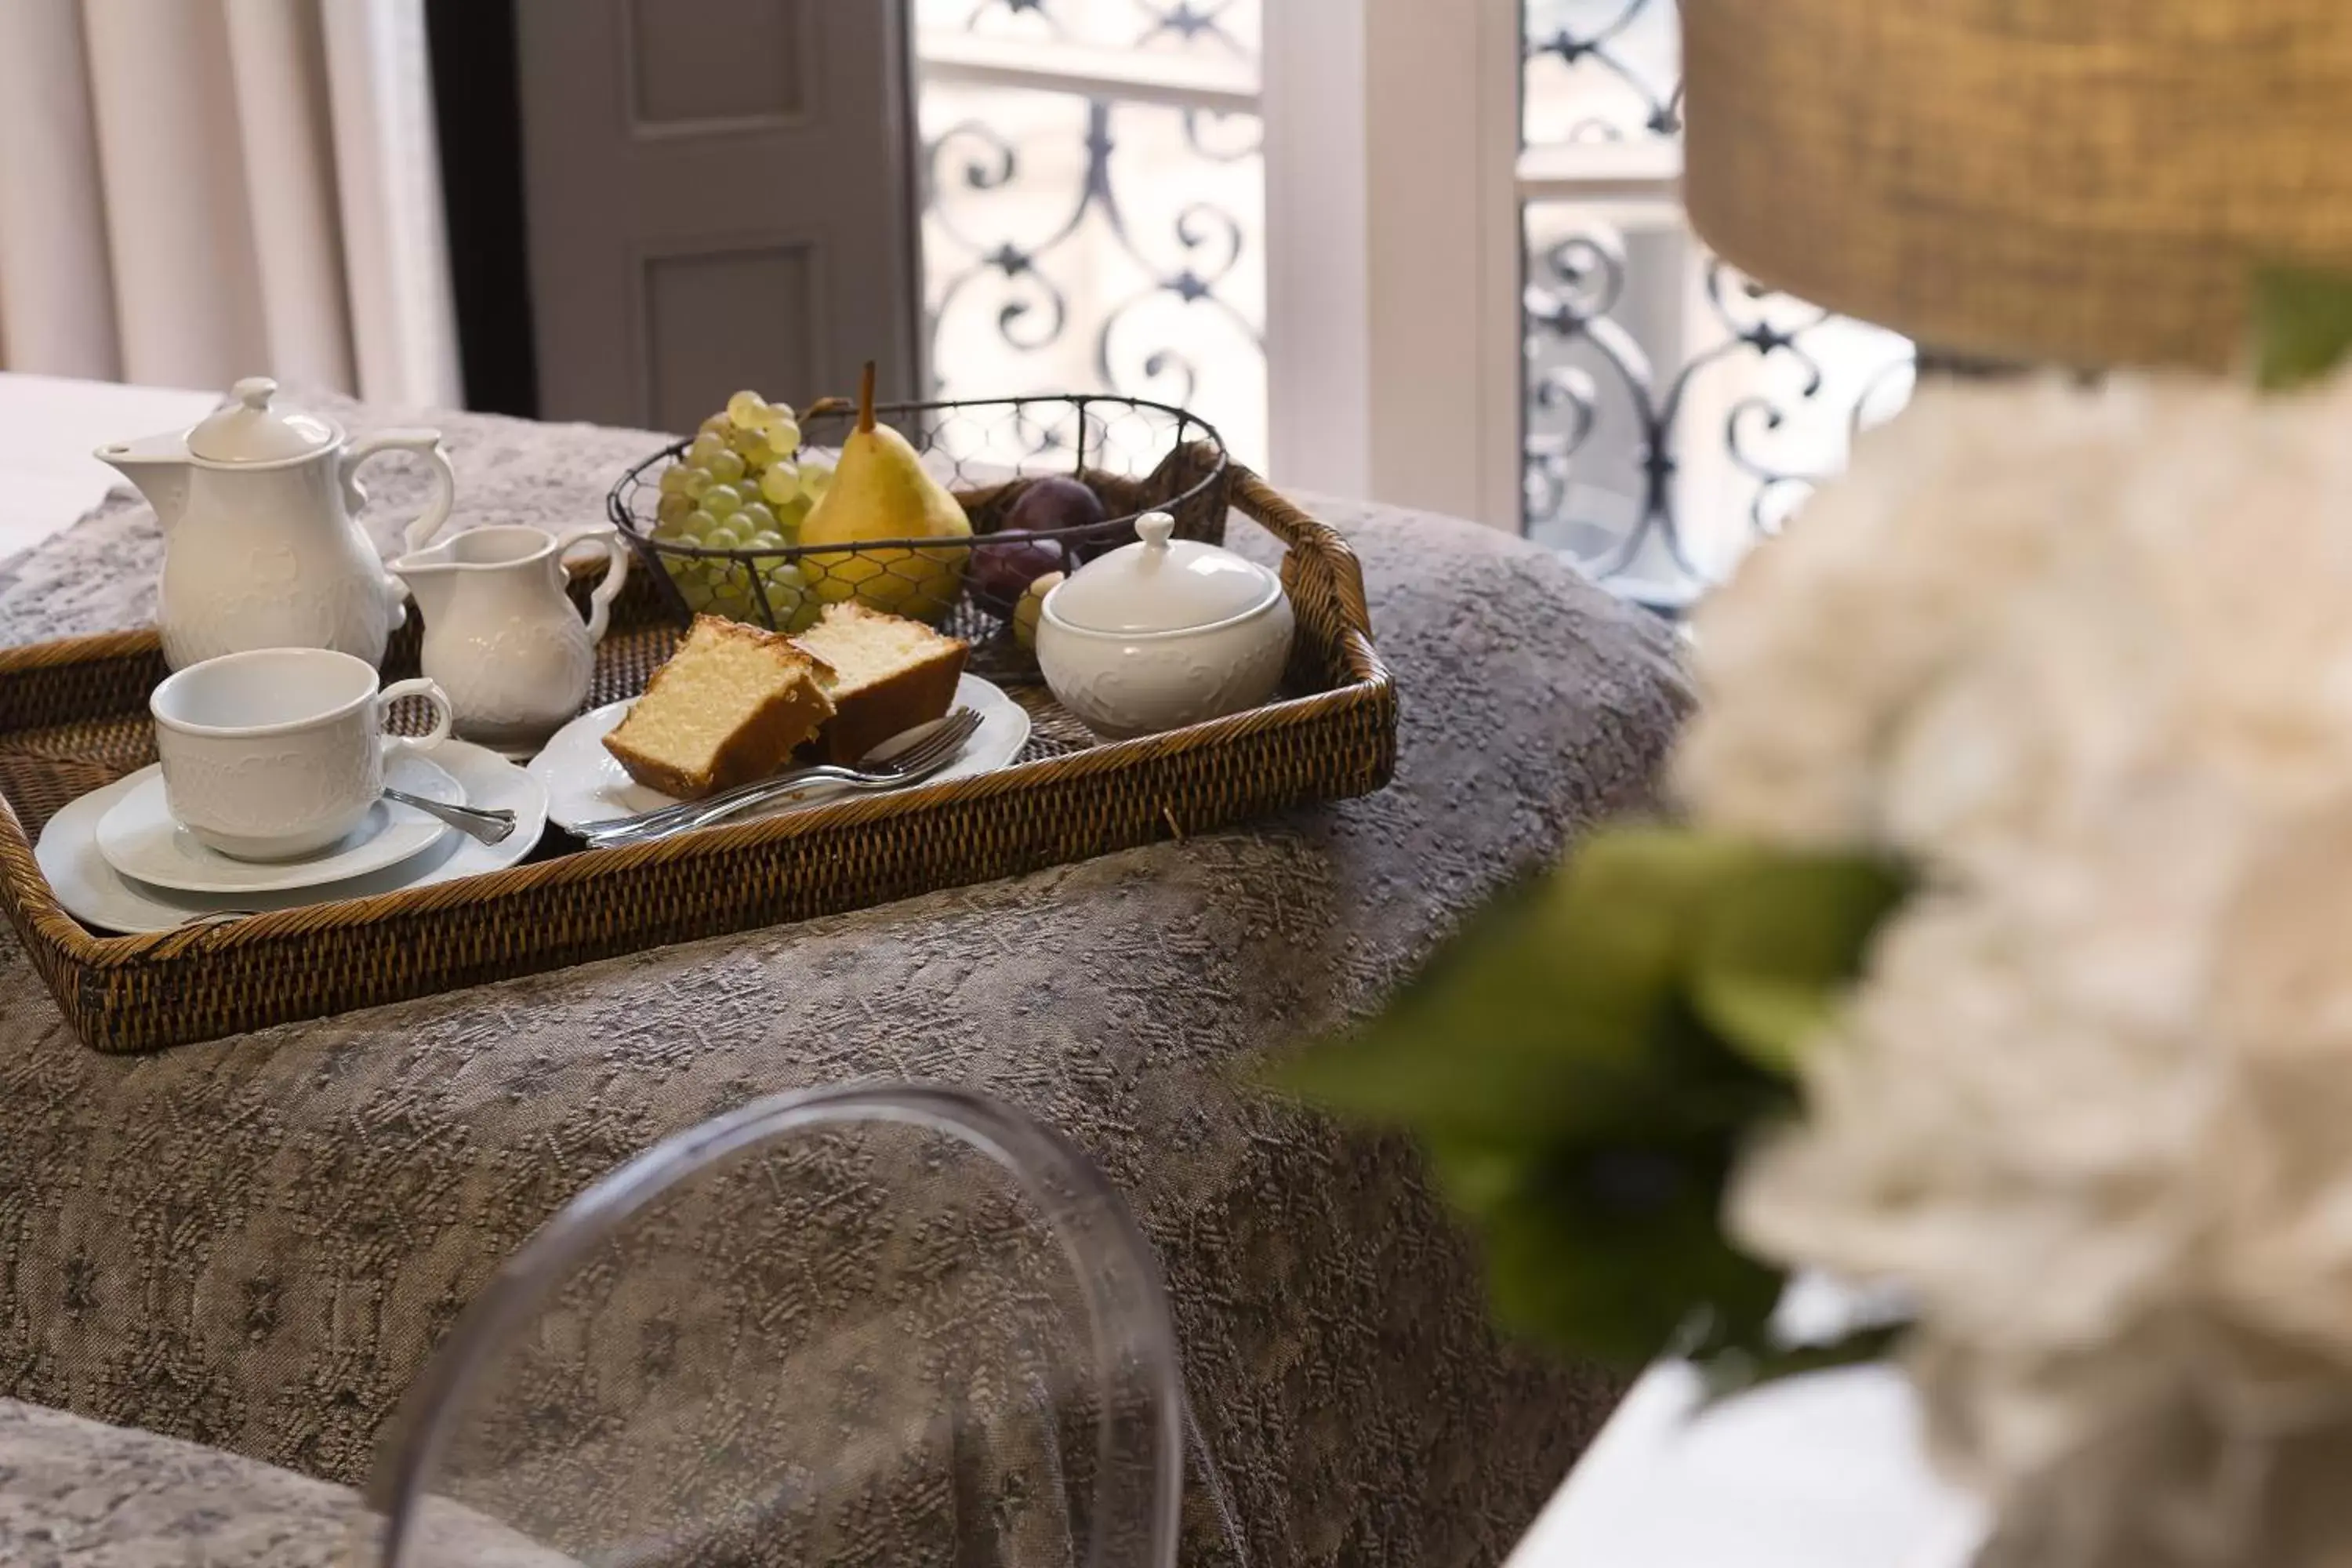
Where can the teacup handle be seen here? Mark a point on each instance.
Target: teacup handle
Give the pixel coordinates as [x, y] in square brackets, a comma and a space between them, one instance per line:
[616, 573]
[443, 715]
[425, 444]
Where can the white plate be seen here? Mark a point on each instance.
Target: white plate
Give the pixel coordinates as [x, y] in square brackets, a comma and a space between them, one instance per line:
[94, 893]
[586, 783]
[139, 839]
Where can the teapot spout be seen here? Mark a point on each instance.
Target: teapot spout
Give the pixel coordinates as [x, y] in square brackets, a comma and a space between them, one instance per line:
[158, 466]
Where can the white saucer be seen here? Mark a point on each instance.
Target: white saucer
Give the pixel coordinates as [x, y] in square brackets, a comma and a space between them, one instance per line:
[586, 783]
[140, 840]
[94, 893]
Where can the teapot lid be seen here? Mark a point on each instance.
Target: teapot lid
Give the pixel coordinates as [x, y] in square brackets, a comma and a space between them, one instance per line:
[250, 431]
[1162, 584]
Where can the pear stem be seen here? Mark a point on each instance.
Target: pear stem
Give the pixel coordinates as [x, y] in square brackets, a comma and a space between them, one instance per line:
[865, 399]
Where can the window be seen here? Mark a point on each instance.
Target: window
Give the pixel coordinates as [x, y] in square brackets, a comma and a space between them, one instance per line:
[1094, 212]
[1672, 410]
[1095, 218]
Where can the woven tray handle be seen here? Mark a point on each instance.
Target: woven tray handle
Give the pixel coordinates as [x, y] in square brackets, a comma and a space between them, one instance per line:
[1332, 594]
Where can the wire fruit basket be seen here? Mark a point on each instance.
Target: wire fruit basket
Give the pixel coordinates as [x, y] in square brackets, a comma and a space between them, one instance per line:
[1130, 456]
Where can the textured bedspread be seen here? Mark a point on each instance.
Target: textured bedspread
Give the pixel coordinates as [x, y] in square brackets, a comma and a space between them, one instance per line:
[76, 1494]
[255, 1243]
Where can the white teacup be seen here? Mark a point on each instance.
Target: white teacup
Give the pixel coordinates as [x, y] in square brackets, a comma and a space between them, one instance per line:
[280, 751]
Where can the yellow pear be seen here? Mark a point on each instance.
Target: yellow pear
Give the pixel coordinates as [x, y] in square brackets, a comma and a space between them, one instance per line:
[880, 490]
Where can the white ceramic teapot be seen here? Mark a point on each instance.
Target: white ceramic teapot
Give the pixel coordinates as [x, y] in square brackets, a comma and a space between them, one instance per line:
[501, 635]
[260, 548]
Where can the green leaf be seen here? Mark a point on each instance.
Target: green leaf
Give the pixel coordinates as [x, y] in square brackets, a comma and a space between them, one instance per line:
[2303, 325]
[1585, 1060]
[1603, 1252]
[1779, 947]
[1545, 1014]
[1735, 1369]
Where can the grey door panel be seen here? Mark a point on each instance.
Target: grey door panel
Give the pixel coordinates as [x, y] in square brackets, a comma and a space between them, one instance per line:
[719, 195]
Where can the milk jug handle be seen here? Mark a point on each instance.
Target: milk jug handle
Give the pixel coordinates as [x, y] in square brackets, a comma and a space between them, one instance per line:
[616, 573]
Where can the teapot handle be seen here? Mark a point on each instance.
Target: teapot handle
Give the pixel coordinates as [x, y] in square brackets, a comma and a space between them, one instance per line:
[616, 573]
[426, 444]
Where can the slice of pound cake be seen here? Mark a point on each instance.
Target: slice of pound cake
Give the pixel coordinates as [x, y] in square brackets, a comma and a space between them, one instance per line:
[885, 675]
[728, 708]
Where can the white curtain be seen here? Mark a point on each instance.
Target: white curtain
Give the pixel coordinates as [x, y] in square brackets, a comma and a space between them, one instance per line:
[192, 191]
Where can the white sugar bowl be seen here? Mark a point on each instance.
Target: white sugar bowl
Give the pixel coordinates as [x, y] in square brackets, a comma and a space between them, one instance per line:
[1163, 633]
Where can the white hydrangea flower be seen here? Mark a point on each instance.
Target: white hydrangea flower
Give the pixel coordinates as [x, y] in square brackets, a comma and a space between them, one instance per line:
[1827, 636]
[2085, 657]
[2119, 560]
[2127, 1237]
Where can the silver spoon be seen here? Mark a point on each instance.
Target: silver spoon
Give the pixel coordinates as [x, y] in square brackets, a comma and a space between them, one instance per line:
[489, 826]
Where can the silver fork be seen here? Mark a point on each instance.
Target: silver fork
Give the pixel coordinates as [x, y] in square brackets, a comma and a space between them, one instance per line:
[875, 770]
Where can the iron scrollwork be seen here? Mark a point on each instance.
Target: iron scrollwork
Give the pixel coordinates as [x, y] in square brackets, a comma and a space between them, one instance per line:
[1034, 309]
[1571, 308]
[1187, 21]
[1601, 45]
[1589, 374]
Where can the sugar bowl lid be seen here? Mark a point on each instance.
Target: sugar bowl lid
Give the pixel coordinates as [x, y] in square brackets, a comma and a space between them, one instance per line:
[250, 431]
[1162, 584]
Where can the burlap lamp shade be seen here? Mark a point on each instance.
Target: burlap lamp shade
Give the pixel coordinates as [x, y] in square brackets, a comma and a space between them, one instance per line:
[2084, 181]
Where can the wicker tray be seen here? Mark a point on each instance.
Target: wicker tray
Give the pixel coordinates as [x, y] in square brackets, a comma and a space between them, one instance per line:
[73, 718]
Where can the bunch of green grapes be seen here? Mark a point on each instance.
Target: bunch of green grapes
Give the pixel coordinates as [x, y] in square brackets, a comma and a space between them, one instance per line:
[742, 485]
